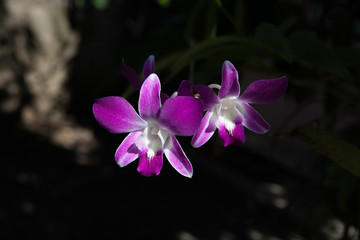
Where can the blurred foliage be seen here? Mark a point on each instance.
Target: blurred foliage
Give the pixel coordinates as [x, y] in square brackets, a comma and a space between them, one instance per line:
[101, 4]
[164, 3]
[98, 4]
[340, 151]
[79, 3]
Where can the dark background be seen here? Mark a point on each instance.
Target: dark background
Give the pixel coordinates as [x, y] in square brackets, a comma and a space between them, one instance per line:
[58, 176]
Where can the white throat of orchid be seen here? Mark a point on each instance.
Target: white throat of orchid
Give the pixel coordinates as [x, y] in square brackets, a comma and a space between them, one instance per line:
[227, 113]
[152, 139]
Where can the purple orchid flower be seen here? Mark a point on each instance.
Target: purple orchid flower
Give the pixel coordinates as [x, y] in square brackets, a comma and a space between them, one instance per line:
[153, 132]
[228, 112]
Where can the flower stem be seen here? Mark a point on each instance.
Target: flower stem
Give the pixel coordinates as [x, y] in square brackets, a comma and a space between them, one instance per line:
[227, 14]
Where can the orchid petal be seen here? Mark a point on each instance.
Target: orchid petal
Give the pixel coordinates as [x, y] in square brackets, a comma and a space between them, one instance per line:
[127, 152]
[151, 138]
[177, 157]
[150, 166]
[205, 131]
[116, 115]
[149, 66]
[149, 100]
[131, 75]
[230, 86]
[163, 98]
[181, 115]
[185, 89]
[265, 91]
[236, 137]
[252, 119]
[207, 95]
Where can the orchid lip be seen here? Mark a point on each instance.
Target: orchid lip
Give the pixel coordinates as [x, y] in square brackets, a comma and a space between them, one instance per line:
[152, 139]
[229, 125]
[227, 113]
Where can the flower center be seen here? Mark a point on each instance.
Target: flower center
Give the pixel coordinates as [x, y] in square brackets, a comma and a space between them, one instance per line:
[152, 139]
[226, 110]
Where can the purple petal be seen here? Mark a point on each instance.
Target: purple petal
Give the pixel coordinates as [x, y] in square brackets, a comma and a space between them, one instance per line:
[177, 157]
[150, 166]
[185, 89]
[205, 131]
[236, 137]
[149, 100]
[181, 115]
[207, 95]
[132, 76]
[163, 98]
[127, 152]
[265, 91]
[149, 66]
[252, 119]
[116, 115]
[230, 86]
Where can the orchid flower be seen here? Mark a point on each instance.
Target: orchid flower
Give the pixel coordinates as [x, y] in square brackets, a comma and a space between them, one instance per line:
[230, 113]
[153, 132]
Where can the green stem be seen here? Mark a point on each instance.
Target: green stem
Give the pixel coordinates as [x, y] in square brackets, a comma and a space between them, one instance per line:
[227, 14]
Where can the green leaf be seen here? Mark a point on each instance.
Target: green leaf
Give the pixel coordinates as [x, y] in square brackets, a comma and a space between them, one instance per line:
[202, 50]
[227, 47]
[338, 150]
[190, 27]
[211, 21]
[239, 15]
[312, 53]
[164, 3]
[226, 14]
[273, 38]
[79, 3]
[101, 4]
